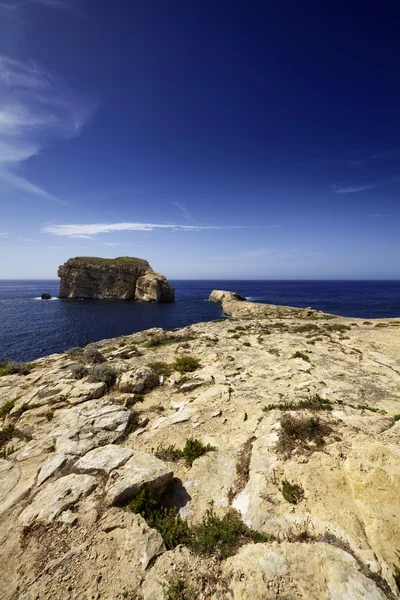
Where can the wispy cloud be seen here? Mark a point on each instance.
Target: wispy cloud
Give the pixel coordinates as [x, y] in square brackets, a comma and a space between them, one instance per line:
[184, 211]
[36, 109]
[374, 157]
[3, 234]
[355, 188]
[63, 4]
[89, 230]
[377, 215]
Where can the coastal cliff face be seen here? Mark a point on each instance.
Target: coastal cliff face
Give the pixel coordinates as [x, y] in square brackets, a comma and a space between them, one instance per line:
[124, 278]
[298, 414]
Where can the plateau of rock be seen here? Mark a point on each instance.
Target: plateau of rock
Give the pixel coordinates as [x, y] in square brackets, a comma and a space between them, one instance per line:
[123, 278]
[299, 413]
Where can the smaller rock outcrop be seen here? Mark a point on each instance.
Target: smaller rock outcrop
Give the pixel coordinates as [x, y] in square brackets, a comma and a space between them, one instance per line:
[45, 296]
[123, 278]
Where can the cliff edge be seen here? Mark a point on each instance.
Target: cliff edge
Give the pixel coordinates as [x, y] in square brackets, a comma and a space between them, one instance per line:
[123, 278]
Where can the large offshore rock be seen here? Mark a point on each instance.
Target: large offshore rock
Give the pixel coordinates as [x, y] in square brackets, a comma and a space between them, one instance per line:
[123, 278]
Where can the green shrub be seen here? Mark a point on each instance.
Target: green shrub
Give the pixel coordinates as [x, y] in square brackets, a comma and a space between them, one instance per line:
[186, 364]
[6, 434]
[6, 408]
[166, 521]
[292, 493]
[13, 368]
[301, 355]
[177, 591]
[246, 344]
[313, 403]
[396, 417]
[223, 536]
[93, 355]
[300, 430]
[74, 352]
[104, 373]
[78, 371]
[161, 368]
[193, 449]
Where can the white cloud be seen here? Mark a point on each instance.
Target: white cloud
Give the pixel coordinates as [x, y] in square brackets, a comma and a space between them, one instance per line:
[36, 108]
[3, 234]
[355, 188]
[89, 230]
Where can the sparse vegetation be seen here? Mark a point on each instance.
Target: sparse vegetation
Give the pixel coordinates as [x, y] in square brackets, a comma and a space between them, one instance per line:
[93, 355]
[315, 402]
[193, 449]
[292, 492]
[166, 521]
[6, 434]
[246, 344]
[301, 355]
[177, 591]
[242, 467]
[161, 368]
[274, 351]
[6, 408]
[78, 371]
[13, 368]
[396, 417]
[222, 537]
[74, 352]
[104, 373]
[295, 431]
[186, 364]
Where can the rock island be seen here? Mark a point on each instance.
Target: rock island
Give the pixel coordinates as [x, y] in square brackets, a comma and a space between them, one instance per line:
[123, 278]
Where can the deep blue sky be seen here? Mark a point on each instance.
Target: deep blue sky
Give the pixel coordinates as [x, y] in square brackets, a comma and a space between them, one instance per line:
[217, 139]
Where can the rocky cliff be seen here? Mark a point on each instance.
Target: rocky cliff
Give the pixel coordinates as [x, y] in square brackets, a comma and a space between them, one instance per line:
[124, 278]
[255, 457]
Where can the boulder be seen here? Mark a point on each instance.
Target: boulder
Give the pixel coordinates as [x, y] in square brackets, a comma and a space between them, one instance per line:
[137, 382]
[141, 470]
[123, 278]
[105, 458]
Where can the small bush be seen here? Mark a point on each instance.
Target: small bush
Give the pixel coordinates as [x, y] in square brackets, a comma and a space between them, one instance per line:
[396, 417]
[300, 430]
[166, 521]
[161, 368]
[6, 434]
[104, 373]
[246, 344]
[13, 368]
[292, 493]
[177, 591]
[6, 408]
[94, 356]
[74, 352]
[78, 371]
[21, 409]
[301, 355]
[313, 403]
[186, 364]
[223, 536]
[193, 449]
[274, 351]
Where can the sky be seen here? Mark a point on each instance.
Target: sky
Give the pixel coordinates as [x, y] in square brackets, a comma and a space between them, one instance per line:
[216, 139]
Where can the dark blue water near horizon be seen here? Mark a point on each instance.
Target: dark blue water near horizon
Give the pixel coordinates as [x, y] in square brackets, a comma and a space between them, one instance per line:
[31, 328]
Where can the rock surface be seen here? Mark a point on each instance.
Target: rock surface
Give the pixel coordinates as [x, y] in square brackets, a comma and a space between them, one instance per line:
[74, 453]
[124, 278]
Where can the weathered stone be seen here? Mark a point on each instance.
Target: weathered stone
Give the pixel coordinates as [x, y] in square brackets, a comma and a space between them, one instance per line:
[123, 278]
[142, 470]
[50, 467]
[56, 497]
[84, 391]
[105, 458]
[142, 379]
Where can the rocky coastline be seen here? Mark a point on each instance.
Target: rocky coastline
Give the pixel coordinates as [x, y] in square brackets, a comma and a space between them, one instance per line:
[123, 278]
[256, 457]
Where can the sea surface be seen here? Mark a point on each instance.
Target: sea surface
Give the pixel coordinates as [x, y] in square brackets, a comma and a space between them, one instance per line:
[31, 328]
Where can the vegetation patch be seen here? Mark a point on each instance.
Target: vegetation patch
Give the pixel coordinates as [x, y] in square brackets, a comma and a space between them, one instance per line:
[222, 537]
[193, 449]
[103, 373]
[161, 368]
[186, 364]
[315, 402]
[295, 431]
[93, 355]
[274, 351]
[13, 368]
[6, 434]
[178, 591]
[301, 355]
[78, 371]
[74, 352]
[396, 417]
[166, 521]
[242, 468]
[7, 407]
[292, 492]
[246, 344]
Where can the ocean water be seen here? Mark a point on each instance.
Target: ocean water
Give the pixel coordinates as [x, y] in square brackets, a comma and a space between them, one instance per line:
[31, 328]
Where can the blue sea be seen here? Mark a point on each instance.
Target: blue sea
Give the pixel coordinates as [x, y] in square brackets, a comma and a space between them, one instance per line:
[31, 328]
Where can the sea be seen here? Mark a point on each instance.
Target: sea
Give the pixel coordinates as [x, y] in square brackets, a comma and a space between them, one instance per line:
[31, 327]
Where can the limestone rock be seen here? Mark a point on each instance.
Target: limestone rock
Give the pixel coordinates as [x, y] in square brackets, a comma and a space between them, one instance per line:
[136, 382]
[57, 497]
[124, 278]
[142, 470]
[105, 458]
